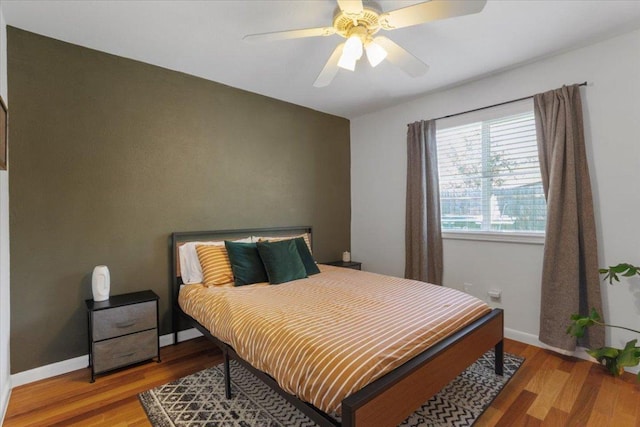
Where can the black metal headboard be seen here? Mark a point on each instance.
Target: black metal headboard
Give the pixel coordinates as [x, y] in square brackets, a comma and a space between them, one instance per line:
[178, 238]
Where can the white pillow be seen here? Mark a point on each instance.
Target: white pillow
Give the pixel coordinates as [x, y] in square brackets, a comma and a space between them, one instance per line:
[190, 269]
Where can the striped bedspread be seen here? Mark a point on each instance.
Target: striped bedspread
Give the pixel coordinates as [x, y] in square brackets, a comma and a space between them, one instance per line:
[327, 336]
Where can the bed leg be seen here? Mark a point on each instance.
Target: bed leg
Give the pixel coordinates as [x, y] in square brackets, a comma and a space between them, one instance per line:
[227, 376]
[499, 352]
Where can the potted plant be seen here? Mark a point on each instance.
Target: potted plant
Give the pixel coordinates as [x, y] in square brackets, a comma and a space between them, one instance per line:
[614, 359]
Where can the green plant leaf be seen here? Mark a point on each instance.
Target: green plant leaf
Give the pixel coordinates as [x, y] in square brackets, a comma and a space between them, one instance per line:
[604, 353]
[620, 268]
[613, 367]
[608, 356]
[594, 316]
[579, 323]
[630, 355]
[614, 359]
[624, 269]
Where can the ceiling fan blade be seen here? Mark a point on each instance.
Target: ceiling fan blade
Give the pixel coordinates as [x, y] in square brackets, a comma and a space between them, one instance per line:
[330, 68]
[401, 58]
[351, 7]
[291, 34]
[429, 11]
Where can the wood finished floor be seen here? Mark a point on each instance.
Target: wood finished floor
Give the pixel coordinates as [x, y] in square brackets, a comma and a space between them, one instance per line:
[548, 390]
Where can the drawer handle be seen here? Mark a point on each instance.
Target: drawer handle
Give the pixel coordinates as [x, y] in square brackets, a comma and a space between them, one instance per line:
[126, 354]
[128, 324]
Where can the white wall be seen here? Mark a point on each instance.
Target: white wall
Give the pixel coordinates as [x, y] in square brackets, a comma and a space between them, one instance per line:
[612, 121]
[5, 384]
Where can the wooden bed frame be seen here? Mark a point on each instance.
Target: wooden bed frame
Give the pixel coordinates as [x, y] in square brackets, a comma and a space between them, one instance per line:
[390, 399]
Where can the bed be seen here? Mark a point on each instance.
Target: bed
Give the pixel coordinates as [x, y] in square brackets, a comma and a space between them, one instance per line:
[383, 399]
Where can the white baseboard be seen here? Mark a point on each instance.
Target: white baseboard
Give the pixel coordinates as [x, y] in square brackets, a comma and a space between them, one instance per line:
[82, 362]
[531, 339]
[49, 371]
[188, 334]
[4, 399]
[534, 341]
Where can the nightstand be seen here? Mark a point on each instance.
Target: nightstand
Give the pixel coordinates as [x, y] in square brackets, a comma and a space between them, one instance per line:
[123, 330]
[351, 264]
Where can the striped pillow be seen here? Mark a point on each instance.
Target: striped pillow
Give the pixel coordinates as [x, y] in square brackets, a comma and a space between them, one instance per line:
[216, 267]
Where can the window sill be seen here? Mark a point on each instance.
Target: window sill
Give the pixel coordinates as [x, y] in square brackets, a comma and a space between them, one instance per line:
[526, 238]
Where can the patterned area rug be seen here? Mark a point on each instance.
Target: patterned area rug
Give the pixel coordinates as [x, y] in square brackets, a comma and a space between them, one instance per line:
[198, 400]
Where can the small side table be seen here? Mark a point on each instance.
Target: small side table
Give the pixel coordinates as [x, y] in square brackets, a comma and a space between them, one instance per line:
[123, 330]
[351, 264]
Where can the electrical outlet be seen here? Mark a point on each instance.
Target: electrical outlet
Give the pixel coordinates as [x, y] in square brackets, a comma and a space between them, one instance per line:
[467, 287]
[495, 293]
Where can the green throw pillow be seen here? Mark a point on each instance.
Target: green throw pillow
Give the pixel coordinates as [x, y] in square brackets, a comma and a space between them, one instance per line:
[245, 262]
[307, 259]
[282, 261]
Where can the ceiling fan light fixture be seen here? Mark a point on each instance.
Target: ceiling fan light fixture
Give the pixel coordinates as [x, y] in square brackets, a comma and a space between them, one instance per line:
[347, 62]
[375, 53]
[359, 23]
[353, 47]
[351, 53]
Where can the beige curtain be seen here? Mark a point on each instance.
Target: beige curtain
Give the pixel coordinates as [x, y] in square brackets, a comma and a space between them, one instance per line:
[570, 280]
[423, 238]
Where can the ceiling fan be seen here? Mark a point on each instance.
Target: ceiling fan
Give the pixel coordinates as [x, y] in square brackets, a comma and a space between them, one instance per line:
[359, 23]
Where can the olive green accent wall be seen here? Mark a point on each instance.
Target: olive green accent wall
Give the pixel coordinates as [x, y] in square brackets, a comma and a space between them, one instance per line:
[110, 155]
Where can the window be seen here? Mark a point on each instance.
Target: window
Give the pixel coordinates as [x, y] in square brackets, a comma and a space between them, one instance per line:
[489, 172]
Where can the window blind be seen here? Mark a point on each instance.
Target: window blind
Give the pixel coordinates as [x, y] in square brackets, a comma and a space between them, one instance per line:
[490, 174]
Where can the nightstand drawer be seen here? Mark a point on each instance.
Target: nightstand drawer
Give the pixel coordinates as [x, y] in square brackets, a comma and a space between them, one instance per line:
[124, 320]
[123, 351]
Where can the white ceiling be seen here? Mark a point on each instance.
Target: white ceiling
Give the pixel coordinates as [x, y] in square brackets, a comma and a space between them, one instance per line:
[204, 38]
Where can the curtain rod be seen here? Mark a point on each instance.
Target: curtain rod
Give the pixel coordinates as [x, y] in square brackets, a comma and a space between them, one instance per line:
[494, 105]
